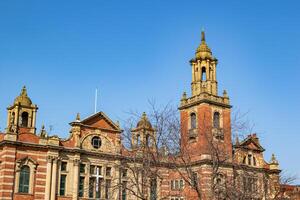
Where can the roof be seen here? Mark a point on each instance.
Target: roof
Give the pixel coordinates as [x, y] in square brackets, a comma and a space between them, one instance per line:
[98, 116]
[23, 99]
[251, 142]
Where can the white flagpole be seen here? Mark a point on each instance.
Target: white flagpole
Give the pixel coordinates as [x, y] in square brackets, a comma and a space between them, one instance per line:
[96, 99]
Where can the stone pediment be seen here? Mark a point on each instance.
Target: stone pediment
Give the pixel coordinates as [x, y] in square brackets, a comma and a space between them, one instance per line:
[101, 121]
[251, 142]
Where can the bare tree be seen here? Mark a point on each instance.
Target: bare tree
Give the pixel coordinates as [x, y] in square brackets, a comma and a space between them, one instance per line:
[168, 150]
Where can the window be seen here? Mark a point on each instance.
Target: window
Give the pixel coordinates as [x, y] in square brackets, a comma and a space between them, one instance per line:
[153, 189]
[94, 188]
[24, 179]
[177, 198]
[82, 168]
[13, 118]
[92, 169]
[24, 119]
[250, 184]
[96, 142]
[108, 171]
[172, 184]
[254, 161]
[124, 173]
[177, 184]
[148, 140]
[63, 166]
[203, 75]
[216, 120]
[138, 140]
[181, 184]
[124, 185]
[194, 179]
[193, 121]
[91, 187]
[107, 189]
[244, 160]
[81, 186]
[249, 159]
[62, 188]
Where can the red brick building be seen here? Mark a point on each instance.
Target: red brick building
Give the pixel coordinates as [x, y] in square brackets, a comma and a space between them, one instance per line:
[36, 166]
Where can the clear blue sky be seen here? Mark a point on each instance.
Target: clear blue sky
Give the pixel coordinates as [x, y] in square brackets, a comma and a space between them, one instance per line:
[138, 50]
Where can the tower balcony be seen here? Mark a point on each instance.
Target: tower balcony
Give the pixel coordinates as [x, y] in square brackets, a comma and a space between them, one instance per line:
[218, 133]
[193, 133]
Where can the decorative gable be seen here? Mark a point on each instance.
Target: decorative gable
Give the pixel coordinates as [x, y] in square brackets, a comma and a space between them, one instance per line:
[101, 121]
[251, 143]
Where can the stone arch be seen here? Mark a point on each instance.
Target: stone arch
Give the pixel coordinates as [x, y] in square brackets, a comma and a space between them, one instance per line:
[32, 165]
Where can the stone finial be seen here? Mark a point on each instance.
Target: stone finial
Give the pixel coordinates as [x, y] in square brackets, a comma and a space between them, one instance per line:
[183, 98]
[43, 133]
[78, 117]
[202, 36]
[237, 142]
[225, 94]
[274, 160]
[24, 91]
[274, 163]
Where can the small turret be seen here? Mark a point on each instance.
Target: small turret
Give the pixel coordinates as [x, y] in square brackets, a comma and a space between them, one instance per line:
[274, 163]
[144, 134]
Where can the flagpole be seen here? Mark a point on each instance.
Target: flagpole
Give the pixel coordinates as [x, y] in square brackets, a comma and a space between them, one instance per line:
[96, 99]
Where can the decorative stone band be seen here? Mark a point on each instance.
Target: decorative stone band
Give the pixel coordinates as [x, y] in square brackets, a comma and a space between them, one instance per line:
[203, 98]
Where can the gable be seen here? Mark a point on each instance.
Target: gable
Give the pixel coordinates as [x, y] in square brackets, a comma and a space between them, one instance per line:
[101, 121]
[250, 143]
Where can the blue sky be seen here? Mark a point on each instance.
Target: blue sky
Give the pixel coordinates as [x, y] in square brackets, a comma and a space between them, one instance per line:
[139, 50]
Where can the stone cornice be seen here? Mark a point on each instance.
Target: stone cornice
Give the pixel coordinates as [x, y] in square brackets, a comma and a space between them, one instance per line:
[205, 98]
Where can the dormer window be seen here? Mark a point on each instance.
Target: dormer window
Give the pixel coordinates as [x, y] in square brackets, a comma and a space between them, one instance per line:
[250, 160]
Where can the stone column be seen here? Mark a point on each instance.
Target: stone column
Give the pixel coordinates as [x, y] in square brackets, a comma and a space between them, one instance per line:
[48, 178]
[75, 179]
[53, 181]
[33, 118]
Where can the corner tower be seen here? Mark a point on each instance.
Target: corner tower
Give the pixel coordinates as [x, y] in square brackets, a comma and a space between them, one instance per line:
[205, 116]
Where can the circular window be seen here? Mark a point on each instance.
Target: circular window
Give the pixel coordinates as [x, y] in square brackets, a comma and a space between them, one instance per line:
[96, 142]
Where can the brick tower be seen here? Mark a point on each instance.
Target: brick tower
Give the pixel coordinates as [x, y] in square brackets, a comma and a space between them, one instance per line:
[205, 116]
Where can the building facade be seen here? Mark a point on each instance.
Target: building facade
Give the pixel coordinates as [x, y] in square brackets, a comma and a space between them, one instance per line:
[90, 164]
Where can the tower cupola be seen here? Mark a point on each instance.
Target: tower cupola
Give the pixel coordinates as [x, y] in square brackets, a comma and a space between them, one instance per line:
[21, 115]
[204, 77]
[144, 134]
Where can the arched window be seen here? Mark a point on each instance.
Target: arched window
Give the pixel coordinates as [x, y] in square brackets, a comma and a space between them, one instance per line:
[254, 161]
[138, 140]
[24, 179]
[203, 74]
[13, 118]
[148, 140]
[216, 121]
[249, 159]
[244, 160]
[193, 121]
[24, 119]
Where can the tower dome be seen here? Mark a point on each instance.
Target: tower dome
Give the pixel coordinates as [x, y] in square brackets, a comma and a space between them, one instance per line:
[203, 51]
[144, 122]
[23, 99]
